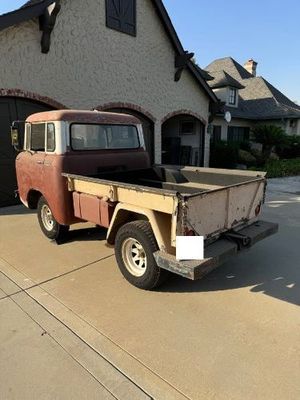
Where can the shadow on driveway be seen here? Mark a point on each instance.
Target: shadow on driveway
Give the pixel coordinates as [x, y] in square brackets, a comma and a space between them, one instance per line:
[85, 235]
[16, 210]
[271, 267]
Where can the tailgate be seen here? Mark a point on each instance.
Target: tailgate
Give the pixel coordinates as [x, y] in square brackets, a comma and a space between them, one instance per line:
[219, 210]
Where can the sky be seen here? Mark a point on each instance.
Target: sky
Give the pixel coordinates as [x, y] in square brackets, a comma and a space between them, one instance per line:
[266, 30]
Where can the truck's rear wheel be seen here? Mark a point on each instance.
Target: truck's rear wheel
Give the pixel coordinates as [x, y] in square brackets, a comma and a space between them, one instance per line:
[134, 248]
[49, 226]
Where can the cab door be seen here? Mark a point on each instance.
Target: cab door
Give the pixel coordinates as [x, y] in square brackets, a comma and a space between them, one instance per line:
[30, 163]
[38, 148]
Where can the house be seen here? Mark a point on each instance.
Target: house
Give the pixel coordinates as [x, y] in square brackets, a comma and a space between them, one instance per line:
[250, 99]
[114, 55]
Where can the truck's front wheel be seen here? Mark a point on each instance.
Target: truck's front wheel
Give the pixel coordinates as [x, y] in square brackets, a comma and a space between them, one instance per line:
[134, 248]
[49, 226]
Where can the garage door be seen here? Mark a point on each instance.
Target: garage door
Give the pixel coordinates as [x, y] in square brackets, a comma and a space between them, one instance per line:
[12, 109]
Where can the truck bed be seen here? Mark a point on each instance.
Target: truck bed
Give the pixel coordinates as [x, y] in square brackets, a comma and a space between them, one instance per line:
[186, 180]
[208, 201]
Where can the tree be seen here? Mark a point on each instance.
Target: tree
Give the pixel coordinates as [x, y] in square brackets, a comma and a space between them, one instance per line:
[269, 136]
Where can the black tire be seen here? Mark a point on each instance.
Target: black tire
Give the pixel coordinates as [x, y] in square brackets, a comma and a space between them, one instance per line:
[50, 228]
[138, 233]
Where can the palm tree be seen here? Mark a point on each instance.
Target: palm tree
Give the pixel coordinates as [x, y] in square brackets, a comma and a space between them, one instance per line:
[269, 136]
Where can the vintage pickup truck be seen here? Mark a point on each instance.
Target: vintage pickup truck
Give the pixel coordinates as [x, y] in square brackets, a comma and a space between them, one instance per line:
[93, 166]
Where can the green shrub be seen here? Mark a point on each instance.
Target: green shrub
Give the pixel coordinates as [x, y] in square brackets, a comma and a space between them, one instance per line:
[245, 157]
[269, 136]
[290, 148]
[281, 168]
[224, 155]
[245, 145]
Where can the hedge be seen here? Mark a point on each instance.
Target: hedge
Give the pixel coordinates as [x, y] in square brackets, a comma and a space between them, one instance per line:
[281, 168]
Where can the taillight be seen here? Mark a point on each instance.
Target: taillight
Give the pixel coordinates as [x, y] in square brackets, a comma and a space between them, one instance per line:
[189, 232]
[257, 210]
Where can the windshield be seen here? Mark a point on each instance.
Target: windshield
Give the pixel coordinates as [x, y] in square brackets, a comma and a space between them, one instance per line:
[100, 137]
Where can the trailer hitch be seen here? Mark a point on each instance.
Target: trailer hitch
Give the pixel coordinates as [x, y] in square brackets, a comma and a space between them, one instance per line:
[241, 240]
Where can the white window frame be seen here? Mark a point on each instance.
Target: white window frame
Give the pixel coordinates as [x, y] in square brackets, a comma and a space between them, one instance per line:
[232, 94]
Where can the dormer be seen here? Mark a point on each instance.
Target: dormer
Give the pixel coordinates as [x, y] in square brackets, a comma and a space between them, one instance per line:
[226, 88]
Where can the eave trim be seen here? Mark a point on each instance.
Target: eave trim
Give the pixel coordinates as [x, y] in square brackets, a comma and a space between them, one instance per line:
[23, 14]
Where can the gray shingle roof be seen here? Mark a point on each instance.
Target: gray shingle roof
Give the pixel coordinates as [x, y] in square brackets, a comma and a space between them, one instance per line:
[222, 79]
[229, 65]
[204, 73]
[259, 99]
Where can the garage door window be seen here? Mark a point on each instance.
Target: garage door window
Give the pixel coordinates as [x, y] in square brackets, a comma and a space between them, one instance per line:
[38, 137]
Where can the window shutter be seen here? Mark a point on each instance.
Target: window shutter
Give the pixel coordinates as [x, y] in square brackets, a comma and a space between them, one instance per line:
[121, 15]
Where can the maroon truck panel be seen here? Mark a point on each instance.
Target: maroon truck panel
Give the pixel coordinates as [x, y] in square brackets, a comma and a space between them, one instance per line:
[41, 173]
[93, 209]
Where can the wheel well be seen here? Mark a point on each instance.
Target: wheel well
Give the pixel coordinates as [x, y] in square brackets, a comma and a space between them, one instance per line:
[124, 216]
[33, 199]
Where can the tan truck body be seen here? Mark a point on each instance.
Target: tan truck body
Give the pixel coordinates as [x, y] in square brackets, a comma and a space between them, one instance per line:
[210, 203]
[93, 166]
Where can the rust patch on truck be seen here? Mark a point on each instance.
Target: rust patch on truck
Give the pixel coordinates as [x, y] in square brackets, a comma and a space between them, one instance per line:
[91, 117]
[93, 209]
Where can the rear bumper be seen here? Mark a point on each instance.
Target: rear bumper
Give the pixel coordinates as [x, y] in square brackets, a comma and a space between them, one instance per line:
[216, 253]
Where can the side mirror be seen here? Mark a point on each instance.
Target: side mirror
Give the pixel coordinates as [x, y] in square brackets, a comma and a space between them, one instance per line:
[14, 131]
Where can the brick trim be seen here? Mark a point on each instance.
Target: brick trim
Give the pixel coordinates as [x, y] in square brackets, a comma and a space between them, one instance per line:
[128, 106]
[31, 96]
[183, 112]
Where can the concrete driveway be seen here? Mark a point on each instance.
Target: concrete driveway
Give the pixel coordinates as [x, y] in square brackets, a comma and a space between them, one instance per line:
[233, 335]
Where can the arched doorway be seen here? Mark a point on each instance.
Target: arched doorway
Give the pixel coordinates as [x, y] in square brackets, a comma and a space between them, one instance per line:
[146, 120]
[12, 109]
[183, 140]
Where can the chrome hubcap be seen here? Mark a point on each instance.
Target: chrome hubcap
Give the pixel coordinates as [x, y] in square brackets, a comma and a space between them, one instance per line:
[47, 217]
[134, 257]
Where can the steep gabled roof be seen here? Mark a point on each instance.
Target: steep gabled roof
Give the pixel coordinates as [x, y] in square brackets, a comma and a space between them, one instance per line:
[222, 79]
[204, 73]
[280, 97]
[259, 99]
[229, 65]
[35, 8]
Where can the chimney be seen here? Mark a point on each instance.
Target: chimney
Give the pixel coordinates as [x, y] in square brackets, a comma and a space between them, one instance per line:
[251, 66]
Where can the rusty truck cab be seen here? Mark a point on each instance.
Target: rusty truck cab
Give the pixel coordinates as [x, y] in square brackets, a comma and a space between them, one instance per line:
[78, 142]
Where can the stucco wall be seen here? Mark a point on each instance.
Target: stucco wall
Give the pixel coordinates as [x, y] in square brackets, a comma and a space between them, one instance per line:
[89, 64]
[285, 125]
[235, 122]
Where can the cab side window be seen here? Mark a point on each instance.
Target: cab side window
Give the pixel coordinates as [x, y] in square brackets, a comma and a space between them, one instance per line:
[50, 137]
[38, 132]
